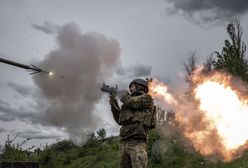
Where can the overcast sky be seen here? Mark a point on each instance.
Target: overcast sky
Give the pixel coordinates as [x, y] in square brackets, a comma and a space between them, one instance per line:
[119, 41]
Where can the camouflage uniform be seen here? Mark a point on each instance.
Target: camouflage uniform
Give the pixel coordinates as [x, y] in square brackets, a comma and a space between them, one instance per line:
[135, 118]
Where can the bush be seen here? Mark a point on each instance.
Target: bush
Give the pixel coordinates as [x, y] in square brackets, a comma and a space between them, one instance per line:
[13, 152]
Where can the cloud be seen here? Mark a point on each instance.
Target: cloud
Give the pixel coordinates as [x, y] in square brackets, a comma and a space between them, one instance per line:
[4, 112]
[9, 113]
[209, 10]
[47, 27]
[40, 134]
[2, 130]
[135, 71]
[141, 70]
[124, 75]
[6, 117]
[4, 103]
[22, 89]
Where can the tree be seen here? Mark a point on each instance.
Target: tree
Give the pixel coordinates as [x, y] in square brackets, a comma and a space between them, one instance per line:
[15, 151]
[190, 66]
[208, 65]
[232, 58]
[101, 133]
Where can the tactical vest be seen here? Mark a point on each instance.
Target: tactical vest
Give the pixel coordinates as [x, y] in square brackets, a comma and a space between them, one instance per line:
[146, 116]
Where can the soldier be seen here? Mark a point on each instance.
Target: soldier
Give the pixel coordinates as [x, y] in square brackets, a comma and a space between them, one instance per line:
[136, 117]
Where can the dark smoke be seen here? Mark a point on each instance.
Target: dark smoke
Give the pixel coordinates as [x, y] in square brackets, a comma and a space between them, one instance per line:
[209, 10]
[80, 65]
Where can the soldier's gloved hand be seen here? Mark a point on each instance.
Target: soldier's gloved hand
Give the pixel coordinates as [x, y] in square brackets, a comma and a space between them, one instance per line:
[123, 94]
[112, 100]
[113, 92]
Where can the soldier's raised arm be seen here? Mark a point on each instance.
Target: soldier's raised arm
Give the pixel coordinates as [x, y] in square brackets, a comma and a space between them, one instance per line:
[115, 109]
[137, 102]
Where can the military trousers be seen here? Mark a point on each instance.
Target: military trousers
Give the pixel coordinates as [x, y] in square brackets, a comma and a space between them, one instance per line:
[133, 154]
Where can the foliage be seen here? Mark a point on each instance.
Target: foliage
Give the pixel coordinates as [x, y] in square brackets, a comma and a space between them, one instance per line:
[208, 65]
[154, 136]
[168, 152]
[92, 140]
[190, 66]
[101, 133]
[63, 145]
[14, 151]
[232, 57]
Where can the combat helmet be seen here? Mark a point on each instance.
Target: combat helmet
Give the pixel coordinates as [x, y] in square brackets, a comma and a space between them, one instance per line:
[141, 82]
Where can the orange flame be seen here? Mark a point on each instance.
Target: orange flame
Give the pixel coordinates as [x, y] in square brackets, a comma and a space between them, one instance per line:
[213, 116]
[160, 90]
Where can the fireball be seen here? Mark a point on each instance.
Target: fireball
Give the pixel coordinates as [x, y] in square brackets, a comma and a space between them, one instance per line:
[160, 90]
[226, 111]
[213, 116]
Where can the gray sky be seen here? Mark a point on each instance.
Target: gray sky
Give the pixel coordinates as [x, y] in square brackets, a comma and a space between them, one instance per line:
[154, 37]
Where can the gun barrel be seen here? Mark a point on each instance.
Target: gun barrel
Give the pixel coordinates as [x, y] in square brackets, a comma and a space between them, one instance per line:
[14, 63]
[34, 68]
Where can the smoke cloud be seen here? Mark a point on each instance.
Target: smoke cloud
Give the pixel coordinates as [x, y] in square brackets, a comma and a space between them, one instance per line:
[79, 66]
[209, 10]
